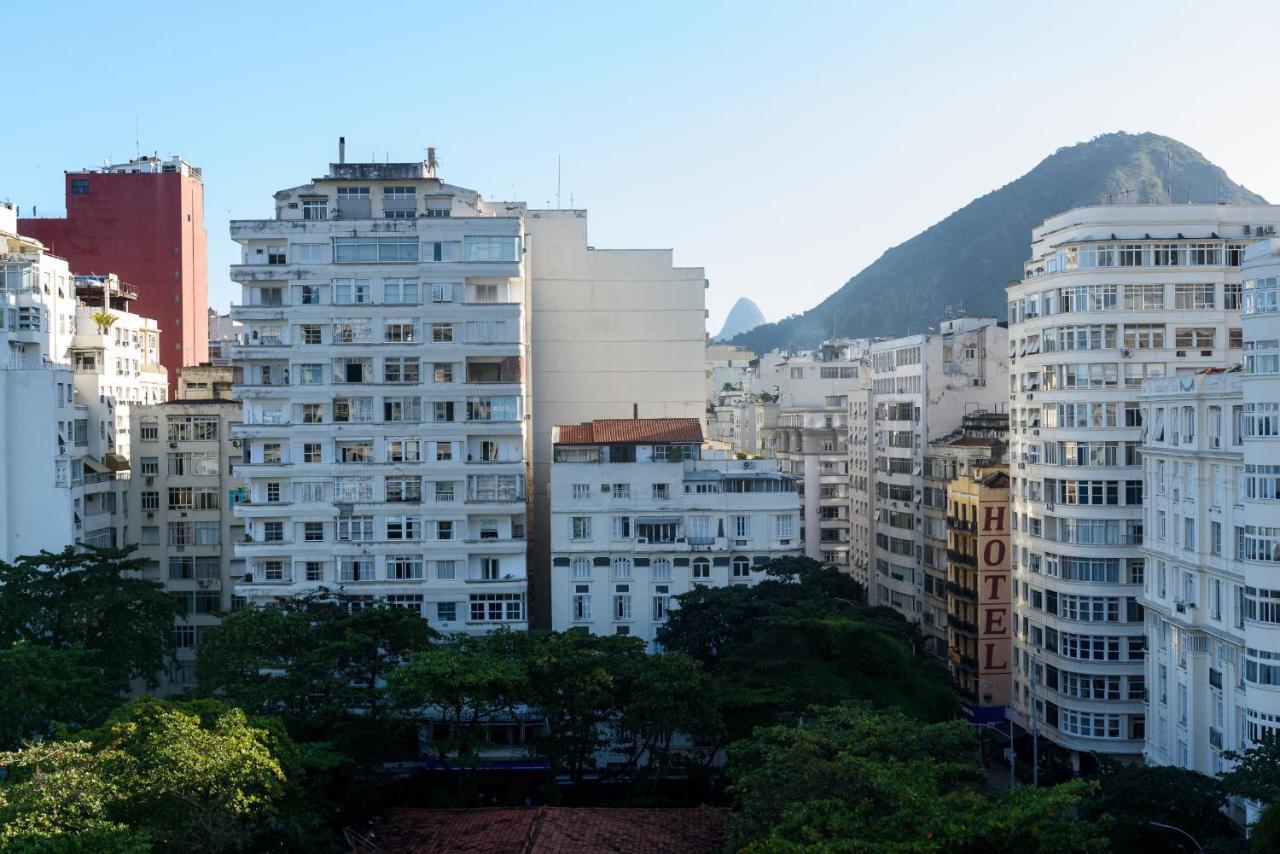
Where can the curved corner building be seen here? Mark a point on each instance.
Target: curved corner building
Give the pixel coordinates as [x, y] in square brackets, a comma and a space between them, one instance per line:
[1112, 296]
[1257, 539]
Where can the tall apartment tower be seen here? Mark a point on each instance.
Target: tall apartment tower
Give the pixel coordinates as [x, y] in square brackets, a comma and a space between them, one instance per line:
[76, 358]
[144, 221]
[921, 388]
[810, 439]
[180, 506]
[1257, 540]
[1194, 584]
[615, 333]
[1112, 296]
[385, 399]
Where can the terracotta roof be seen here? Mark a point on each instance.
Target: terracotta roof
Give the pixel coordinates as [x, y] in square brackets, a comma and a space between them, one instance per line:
[549, 830]
[631, 431]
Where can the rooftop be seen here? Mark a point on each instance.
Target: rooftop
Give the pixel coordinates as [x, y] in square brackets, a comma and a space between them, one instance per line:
[562, 830]
[629, 431]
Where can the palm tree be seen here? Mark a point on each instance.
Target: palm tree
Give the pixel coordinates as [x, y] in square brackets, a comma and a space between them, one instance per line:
[104, 319]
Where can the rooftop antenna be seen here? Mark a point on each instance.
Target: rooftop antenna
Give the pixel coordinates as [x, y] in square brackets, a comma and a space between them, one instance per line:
[557, 182]
[137, 144]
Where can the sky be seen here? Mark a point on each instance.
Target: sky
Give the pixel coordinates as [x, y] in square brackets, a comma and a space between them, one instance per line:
[782, 147]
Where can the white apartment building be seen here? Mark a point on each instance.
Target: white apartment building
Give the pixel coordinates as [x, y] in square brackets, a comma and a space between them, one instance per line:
[224, 334]
[1193, 588]
[1257, 537]
[66, 384]
[640, 514]
[615, 333]
[921, 388]
[810, 436]
[1112, 296]
[385, 402]
[180, 503]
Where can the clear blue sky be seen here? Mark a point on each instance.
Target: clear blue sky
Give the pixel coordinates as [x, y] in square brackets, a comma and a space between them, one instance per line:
[783, 146]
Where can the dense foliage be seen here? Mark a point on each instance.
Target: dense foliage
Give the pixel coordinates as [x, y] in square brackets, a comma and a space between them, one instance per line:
[839, 735]
[75, 628]
[853, 779]
[157, 775]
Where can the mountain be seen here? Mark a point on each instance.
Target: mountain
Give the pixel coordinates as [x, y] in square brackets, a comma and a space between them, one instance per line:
[967, 258]
[743, 316]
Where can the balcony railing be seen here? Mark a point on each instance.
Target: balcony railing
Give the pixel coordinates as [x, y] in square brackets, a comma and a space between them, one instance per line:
[962, 591]
[961, 625]
[962, 558]
[957, 524]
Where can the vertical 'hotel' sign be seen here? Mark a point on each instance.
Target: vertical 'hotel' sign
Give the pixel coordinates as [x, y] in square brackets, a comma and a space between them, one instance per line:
[995, 603]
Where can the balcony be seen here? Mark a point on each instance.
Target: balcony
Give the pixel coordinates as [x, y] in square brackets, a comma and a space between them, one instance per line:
[961, 591]
[955, 523]
[961, 625]
[962, 558]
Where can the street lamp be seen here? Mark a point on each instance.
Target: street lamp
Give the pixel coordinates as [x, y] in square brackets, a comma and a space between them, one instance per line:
[1179, 830]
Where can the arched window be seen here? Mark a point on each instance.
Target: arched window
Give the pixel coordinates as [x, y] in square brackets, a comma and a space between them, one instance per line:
[662, 569]
[582, 567]
[741, 567]
[701, 569]
[622, 567]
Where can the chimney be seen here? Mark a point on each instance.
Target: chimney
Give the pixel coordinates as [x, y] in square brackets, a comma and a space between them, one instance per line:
[431, 160]
[342, 149]
[635, 411]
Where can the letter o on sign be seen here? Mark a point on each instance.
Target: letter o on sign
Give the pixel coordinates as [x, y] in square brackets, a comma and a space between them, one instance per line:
[993, 553]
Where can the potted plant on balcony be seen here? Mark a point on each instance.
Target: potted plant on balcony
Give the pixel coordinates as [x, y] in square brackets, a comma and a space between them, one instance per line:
[104, 319]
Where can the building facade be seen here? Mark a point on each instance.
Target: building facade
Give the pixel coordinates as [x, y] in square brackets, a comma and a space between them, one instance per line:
[980, 442]
[921, 388]
[640, 514]
[144, 221]
[1193, 590]
[180, 503]
[1112, 297]
[76, 358]
[383, 379]
[615, 333]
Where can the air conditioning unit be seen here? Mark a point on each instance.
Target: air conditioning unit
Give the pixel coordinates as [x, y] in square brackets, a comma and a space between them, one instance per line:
[1181, 354]
[644, 541]
[151, 514]
[1126, 353]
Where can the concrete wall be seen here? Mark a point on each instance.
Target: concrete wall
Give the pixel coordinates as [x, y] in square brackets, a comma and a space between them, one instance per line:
[615, 332]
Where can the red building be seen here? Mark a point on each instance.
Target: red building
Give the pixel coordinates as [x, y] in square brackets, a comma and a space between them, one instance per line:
[144, 221]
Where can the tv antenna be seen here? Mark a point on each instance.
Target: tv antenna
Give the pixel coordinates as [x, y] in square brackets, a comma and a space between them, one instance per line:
[557, 182]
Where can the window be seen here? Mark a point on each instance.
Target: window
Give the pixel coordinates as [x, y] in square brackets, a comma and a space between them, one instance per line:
[661, 603]
[352, 292]
[444, 490]
[622, 602]
[399, 332]
[580, 528]
[622, 529]
[497, 607]
[150, 431]
[581, 567]
[740, 526]
[444, 530]
[442, 292]
[311, 452]
[741, 567]
[349, 490]
[1193, 297]
[581, 491]
[79, 186]
[442, 372]
[383, 250]
[490, 248]
[400, 291]
[661, 569]
[401, 370]
[661, 491]
[490, 569]
[446, 612]
[310, 374]
[581, 604]
[701, 569]
[622, 567]
[313, 532]
[404, 567]
[404, 528]
[442, 333]
[446, 570]
[354, 529]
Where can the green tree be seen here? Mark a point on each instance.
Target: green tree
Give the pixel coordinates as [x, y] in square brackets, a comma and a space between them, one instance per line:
[663, 697]
[802, 637]
[573, 678]
[1137, 799]
[313, 661]
[461, 683]
[46, 689]
[177, 776]
[855, 779]
[1256, 774]
[91, 599]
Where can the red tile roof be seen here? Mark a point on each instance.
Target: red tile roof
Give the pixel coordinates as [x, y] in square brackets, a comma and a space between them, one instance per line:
[631, 431]
[549, 830]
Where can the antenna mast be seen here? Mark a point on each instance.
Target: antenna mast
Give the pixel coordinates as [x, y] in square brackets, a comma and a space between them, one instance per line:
[557, 182]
